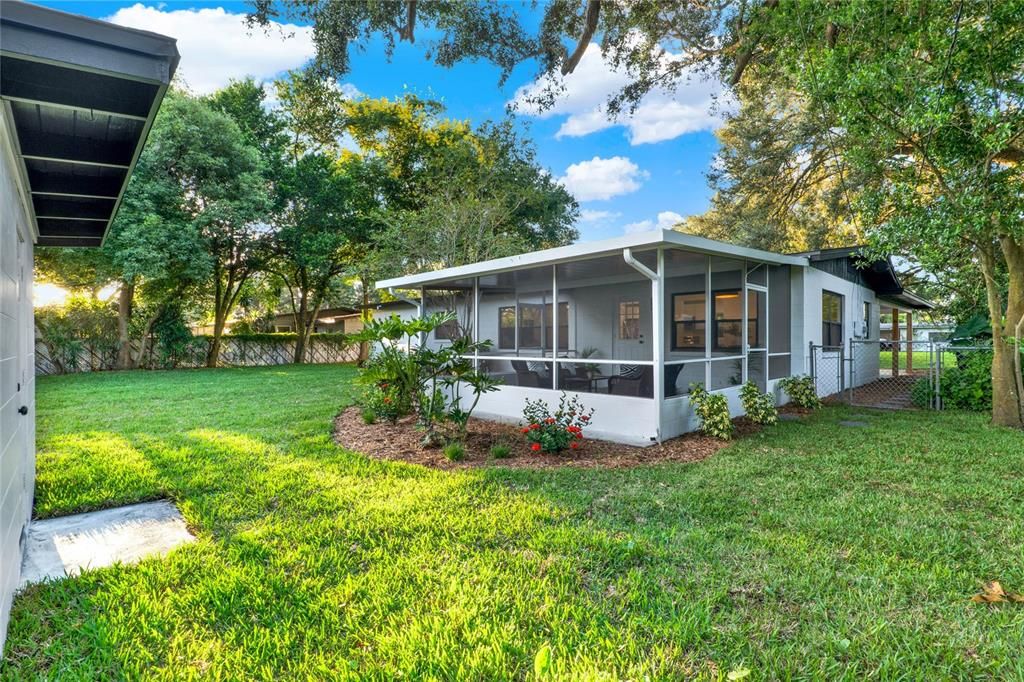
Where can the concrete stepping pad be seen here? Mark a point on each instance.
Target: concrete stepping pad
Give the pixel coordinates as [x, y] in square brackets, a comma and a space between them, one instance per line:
[65, 546]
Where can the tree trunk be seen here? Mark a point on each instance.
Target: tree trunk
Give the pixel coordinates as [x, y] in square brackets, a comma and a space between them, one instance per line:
[1006, 402]
[124, 318]
[364, 346]
[301, 324]
[307, 331]
[213, 356]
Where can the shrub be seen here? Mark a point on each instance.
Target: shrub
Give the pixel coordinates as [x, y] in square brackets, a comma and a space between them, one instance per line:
[369, 416]
[713, 411]
[801, 391]
[501, 451]
[383, 401]
[426, 380]
[921, 393]
[760, 407]
[968, 385]
[556, 431]
[455, 452]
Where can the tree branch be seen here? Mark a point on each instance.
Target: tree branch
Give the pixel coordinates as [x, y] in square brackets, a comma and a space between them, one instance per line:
[590, 16]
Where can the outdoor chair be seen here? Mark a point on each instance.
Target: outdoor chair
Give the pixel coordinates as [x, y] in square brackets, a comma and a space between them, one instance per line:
[632, 380]
[524, 375]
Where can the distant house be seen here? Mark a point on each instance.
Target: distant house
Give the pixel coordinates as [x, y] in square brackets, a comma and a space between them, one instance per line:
[343, 319]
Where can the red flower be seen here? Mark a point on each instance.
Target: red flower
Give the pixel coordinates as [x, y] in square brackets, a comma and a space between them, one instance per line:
[574, 445]
[550, 420]
[526, 429]
[534, 426]
[535, 447]
[579, 436]
[387, 399]
[584, 418]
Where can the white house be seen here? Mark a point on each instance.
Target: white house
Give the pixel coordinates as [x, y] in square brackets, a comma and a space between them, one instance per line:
[77, 99]
[641, 318]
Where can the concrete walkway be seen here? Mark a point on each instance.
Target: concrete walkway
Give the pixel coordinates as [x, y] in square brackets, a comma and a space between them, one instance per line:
[65, 546]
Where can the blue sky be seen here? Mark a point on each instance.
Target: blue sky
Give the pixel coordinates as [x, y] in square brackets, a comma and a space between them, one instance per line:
[633, 175]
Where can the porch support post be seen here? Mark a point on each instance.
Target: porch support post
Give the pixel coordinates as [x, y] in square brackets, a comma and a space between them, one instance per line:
[476, 322]
[657, 326]
[895, 333]
[554, 327]
[420, 314]
[910, 342]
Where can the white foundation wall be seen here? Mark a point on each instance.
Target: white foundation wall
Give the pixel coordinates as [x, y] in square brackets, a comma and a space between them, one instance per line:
[620, 419]
[17, 387]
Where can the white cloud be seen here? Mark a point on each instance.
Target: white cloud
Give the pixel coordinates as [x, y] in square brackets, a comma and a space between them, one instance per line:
[216, 45]
[603, 178]
[591, 216]
[661, 115]
[666, 221]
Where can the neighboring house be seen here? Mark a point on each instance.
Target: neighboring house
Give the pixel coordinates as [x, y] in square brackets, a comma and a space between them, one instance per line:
[723, 314]
[342, 319]
[78, 99]
[924, 332]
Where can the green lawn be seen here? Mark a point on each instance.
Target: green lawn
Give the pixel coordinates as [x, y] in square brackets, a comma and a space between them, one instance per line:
[922, 359]
[811, 550]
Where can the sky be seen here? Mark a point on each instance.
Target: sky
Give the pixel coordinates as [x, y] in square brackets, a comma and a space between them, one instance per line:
[633, 174]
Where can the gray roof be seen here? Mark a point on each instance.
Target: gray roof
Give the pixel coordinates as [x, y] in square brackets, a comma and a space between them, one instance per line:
[79, 96]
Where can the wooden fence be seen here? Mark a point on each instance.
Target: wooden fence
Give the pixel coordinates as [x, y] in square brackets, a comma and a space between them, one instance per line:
[234, 352]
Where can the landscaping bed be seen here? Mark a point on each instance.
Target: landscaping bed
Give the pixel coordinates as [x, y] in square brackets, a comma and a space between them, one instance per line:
[402, 441]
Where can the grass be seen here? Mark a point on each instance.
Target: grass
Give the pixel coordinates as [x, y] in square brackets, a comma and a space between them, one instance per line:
[810, 550]
[922, 359]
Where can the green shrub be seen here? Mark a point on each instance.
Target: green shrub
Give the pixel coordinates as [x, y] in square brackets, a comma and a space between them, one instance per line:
[801, 391]
[760, 407]
[455, 452]
[556, 431]
[968, 385]
[383, 401]
[713, 411]
[369, 416]
[921, 393]
[501, 451]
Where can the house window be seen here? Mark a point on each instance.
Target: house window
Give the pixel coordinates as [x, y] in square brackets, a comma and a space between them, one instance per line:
[563, 326]
[629, 319]
[689, 324]
[727, 313]
[831, 319]
[507, 327]
[531, 320]
[447, 331]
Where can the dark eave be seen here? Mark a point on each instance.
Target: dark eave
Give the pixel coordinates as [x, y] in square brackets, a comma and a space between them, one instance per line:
[879, 275]
[78, 97]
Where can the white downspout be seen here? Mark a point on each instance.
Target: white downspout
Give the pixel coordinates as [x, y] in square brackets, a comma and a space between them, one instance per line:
[657, 326]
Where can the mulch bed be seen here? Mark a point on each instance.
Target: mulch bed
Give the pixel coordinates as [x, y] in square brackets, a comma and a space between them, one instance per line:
[402, 442]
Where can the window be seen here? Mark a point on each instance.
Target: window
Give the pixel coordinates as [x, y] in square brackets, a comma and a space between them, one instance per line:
[831, 319]
[629, 319]
[727, 312]
[530, 321]
[447, 331]
[563, 326]
[534, 316]
[689, 326]
[507, 327]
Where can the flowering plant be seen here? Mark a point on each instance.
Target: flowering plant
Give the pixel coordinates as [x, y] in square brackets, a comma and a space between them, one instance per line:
[556, 431]
[384, 400]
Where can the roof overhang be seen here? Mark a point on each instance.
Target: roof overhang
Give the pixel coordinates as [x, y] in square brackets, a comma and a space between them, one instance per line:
[879, 274]
[78, 98]
[564, 254]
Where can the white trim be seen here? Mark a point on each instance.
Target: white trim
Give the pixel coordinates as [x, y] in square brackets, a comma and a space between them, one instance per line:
[563, 254]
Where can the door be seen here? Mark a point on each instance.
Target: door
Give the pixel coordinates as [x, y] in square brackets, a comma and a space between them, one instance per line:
[631, 337]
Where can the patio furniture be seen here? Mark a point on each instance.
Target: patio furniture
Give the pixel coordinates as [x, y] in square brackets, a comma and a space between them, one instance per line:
[632, 380]
[575, 379]
[524, 375]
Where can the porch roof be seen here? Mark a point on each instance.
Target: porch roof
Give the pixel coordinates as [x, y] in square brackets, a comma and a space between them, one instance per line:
[563, 254]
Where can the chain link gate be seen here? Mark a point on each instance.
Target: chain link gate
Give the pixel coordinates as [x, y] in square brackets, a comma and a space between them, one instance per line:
[884, 374]
[827, 369]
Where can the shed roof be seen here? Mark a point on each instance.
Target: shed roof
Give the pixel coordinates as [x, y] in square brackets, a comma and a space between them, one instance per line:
[563, 254]
[79, 96]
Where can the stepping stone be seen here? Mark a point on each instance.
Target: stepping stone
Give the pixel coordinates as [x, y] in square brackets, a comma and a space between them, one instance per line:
[789, 417]
[852, 423]
[65, 546]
